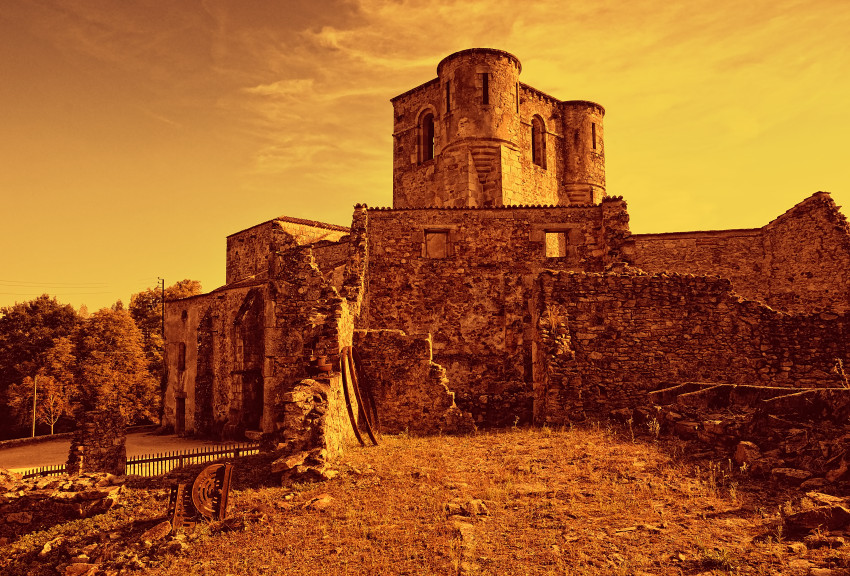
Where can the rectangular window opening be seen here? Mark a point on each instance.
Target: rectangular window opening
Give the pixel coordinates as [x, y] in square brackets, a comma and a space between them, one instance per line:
[593, 133]
[485, 88]
[556, 244]
[448, 97]
[436, 243]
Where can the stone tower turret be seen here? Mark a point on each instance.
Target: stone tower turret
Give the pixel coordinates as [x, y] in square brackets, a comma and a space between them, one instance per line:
[584, 151]
[475, 136]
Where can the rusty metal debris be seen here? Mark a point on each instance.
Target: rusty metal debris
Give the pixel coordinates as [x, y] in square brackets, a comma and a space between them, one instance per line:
[349, 366]
[206, 498]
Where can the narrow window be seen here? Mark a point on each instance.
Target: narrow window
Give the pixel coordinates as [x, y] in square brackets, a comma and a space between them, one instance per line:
[485, 88]
[538, 141]
[426, 135]
[436, 243]
[184, 315]
[517, 97]
[556, 244]
[448, 97]
[593, 133]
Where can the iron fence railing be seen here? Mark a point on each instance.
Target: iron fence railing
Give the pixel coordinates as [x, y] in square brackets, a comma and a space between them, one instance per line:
[44, 471]
[157, 464]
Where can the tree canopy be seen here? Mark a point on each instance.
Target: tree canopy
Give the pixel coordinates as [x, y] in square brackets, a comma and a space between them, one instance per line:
[112, 368]
[28, 331]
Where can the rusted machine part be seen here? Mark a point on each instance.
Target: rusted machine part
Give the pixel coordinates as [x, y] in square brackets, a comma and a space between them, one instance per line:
[207, 497]
[374, 418]
[343, 368]
[180, 508]
[360, 403]
[210, 490]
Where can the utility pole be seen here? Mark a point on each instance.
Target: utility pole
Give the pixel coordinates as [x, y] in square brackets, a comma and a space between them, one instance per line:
[34, 393]
[162, 320]
[162, 312]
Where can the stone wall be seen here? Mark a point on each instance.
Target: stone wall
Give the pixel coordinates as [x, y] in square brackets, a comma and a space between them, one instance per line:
[797, 263]
[808, 257]
[608, 339]
[248, 251]
[411, 392]
[474, 300]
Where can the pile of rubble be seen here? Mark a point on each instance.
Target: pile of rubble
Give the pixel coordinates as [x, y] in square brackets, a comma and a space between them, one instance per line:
[795, 436]
[37, 503]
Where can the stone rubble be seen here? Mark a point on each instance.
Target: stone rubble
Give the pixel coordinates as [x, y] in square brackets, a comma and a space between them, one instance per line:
[37, 503]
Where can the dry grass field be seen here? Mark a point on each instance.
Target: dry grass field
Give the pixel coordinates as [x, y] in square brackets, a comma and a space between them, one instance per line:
[577, 501]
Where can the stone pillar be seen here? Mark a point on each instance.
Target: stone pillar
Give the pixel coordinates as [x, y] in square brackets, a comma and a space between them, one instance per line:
[98, 444]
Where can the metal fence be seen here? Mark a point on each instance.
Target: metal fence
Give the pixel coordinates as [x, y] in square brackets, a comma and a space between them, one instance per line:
[156, 464]
[44, 471]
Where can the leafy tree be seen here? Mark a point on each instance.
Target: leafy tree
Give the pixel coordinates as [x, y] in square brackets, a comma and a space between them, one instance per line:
[112, 369]
[146, 310]
[53, 385]
[53, 399]
[27, 332]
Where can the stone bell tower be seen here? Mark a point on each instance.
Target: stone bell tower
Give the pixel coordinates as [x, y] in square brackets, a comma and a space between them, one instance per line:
[475, 136]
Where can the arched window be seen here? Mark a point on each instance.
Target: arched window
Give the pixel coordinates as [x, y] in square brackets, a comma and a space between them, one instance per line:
[538, 141]
[426, 138]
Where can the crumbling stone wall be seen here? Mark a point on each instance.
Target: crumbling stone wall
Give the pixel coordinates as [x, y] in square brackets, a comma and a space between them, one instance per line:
[799, 262]
[248, 251]
[204, 355]
[608, 339]
[411, 392]
[474, 300]
[234, 354]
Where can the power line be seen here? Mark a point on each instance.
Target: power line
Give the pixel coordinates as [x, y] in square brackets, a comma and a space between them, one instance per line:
[52, 293]
[24, 284]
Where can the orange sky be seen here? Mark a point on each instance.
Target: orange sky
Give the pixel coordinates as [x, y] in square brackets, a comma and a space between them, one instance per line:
[136, 135]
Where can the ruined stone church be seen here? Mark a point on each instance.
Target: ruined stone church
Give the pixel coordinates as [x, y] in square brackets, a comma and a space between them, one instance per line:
[503, 285]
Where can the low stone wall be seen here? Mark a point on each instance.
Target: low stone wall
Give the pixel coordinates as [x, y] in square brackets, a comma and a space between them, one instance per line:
[411, 392]
[14, 442]
[38, 503]
[608, 339]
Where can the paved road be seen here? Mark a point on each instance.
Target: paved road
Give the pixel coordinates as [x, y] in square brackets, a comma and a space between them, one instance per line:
[55, 452]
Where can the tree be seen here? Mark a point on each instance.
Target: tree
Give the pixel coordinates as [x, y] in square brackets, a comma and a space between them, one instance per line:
[53, 400]
[53, 385]
[146, 310]
[28, 330]
[111, 367]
